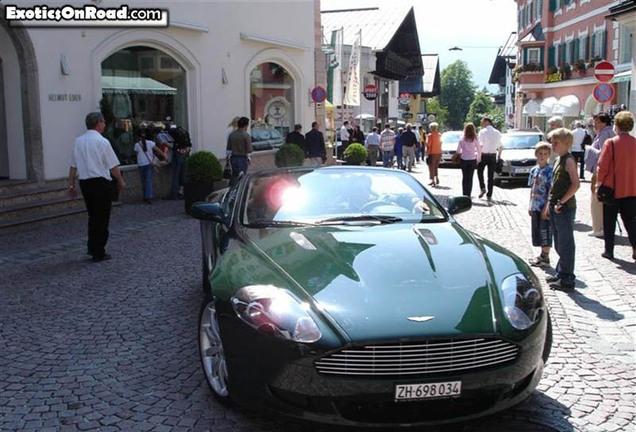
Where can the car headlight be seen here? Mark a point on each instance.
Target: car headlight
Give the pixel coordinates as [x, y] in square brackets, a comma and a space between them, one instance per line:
[523, 301]
[274, 311]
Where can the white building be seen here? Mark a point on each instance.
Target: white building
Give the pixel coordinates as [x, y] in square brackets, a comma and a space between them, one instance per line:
[214, 61]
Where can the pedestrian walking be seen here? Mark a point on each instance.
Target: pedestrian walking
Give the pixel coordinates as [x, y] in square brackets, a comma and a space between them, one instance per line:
[372, 143]
[409, 140]
[145, 153]
[399, 154]
[357, 136]
[296, 136]
[240, 144]
[491, 147]
[578, 152]
[387, 146]
[345, 137]
[94, 162]
[181, 148]
[561, 208]
[604, 131]
[617, 169]
[433, 153]
[470, 153]
[315, 152]
[540, 180]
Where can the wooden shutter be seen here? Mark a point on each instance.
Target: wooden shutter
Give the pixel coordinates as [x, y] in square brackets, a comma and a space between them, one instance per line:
[552, 5]
[551, 56]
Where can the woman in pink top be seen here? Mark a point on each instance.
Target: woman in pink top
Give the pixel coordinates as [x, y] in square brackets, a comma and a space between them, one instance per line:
[616, 169]
[470, 151]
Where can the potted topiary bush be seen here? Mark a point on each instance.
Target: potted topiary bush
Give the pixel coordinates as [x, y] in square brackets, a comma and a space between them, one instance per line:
[289, 155]
[201, 171]
[355, 154]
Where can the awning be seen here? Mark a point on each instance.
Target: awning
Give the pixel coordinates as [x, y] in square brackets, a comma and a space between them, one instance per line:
[622, 77]
[567, 106]
[532, 107]
[547, 106]
[137, 85]
[365, 117]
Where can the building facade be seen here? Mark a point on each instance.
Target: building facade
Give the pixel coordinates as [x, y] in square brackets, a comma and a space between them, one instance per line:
[560, 42]
[214, 61]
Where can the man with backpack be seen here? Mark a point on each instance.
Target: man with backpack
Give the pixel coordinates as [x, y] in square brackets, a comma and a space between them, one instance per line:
[180, 149]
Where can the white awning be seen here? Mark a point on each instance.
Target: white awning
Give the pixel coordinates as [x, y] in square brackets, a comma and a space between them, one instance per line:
[532, 107]
[567, 106]
[138, 85]
[622, 77]
[547, 106]
[365, 116]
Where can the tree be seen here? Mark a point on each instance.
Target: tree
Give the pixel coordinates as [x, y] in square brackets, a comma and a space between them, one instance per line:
[457, 93]
[479, 108]
[433, 106]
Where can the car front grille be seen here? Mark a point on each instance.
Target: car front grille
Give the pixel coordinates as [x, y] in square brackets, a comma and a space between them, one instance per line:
[523, 162]
[402, 359]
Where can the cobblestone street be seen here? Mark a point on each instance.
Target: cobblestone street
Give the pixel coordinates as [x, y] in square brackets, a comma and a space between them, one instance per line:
[112, 346]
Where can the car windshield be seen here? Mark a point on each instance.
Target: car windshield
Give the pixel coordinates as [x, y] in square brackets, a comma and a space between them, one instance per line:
[519, 141]
[451, 137]
[336, 196]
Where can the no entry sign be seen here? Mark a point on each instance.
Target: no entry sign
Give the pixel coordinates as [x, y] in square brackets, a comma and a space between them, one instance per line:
[604, 71]
[604, 92]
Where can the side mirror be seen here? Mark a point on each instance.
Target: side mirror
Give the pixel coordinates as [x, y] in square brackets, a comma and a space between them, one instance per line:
[459, 204]
[209, 212]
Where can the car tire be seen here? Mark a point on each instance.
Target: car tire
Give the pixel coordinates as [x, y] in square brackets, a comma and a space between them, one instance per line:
[547, 346]
[211, 351]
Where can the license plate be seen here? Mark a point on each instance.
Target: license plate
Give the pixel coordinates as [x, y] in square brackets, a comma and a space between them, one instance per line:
[411, 392]
[522, 170]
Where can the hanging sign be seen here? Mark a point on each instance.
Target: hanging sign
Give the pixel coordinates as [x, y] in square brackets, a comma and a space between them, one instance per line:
[370, 92]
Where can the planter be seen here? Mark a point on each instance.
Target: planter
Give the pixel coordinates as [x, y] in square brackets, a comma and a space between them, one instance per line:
[195, 192]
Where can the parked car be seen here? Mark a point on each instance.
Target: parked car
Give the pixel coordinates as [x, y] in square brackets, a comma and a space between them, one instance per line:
[333, 294]
[450, 139]
[518, 154]
[266, 138]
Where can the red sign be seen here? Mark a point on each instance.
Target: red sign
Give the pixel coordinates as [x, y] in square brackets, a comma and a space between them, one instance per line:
[604, 92]
[404, 98]
[370, 92]
[604, 71]
[318, 94]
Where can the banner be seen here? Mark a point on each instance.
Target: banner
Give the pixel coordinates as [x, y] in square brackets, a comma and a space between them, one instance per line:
[352, 96]
[336, 65]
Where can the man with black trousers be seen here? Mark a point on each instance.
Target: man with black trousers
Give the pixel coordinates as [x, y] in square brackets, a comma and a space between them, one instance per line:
[315, 152]
[490, 141]
[95, 163]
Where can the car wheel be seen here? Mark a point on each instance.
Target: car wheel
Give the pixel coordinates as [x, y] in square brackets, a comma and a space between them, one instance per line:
[211, 351]
[547, 346]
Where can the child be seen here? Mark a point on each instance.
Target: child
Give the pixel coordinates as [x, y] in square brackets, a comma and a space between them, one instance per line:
[561, 208]
[540, 180]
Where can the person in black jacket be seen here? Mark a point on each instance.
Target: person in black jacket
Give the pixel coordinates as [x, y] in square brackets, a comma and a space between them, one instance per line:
[315, 152]
[357, 136]
[296, 137]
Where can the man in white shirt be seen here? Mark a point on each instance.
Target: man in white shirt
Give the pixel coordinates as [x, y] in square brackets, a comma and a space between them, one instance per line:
[94, 161]
[345, 139]
[577, 145]
[490, 141]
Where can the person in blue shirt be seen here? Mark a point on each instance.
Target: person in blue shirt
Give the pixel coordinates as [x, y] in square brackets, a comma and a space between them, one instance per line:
[539, 181]
[398, 149]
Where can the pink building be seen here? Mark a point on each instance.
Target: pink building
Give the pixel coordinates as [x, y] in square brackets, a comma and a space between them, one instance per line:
[559, 43]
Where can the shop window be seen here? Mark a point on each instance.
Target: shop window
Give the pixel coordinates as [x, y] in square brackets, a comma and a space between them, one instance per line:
[271, 105]
[141, 88]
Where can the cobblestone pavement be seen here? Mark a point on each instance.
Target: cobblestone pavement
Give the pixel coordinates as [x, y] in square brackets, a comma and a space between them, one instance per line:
[112, 346]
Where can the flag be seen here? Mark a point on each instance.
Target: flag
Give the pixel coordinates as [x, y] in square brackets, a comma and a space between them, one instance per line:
[352, 96]
[336, 66]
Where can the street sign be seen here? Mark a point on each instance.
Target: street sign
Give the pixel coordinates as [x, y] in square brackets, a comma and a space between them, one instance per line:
[370, 92]
[604, 71]
[404, 98]
[318, 94]
[604, 92]
[407, 115]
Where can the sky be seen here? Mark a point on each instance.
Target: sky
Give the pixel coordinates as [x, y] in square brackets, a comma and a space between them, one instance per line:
[479, 27]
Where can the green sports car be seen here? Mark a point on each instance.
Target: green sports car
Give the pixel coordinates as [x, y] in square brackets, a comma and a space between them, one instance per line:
[349, 295]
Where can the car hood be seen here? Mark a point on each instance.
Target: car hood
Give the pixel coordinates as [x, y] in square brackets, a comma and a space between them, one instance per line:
[518, 154]
[387, 281]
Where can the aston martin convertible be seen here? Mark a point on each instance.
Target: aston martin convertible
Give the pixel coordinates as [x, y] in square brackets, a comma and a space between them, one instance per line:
[349, 295]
